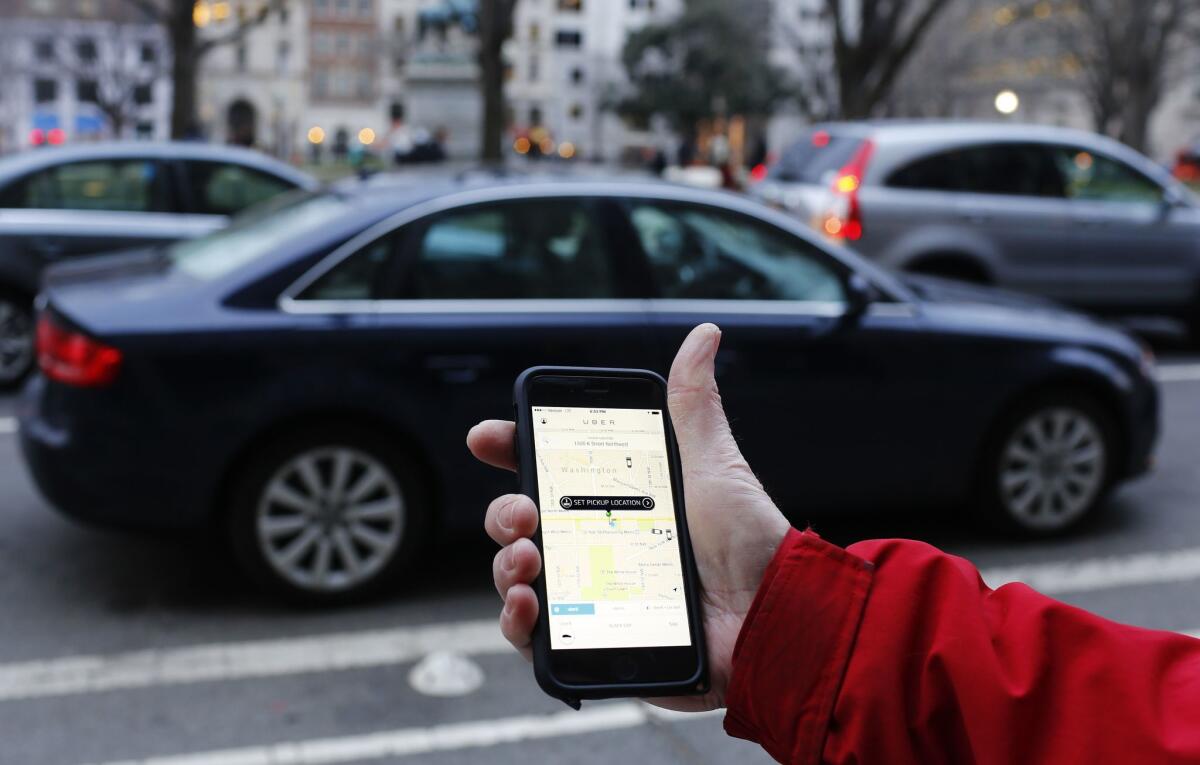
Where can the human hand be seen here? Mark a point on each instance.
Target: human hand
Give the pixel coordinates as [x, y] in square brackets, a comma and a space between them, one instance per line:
[735, 528]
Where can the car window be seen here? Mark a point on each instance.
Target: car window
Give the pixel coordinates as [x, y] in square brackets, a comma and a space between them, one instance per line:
[522, 249]
[357, 277]
[1092, 176]
[810, 160]
[117, 185]
[220, 188]
[706, 253]
[1009, 169]
[295, 215]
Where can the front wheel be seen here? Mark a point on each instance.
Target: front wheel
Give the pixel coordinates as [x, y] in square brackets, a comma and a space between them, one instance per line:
[1049, 465]
[16, 339]
[327, 515]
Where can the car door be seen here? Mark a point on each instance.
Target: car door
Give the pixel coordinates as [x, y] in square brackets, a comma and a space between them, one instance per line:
[479, 293]
[1132, 250]
[821, 406]
[220, 190]
[93, 206]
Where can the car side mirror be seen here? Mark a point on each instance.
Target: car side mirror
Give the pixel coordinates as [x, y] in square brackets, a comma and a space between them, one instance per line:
[859, 296]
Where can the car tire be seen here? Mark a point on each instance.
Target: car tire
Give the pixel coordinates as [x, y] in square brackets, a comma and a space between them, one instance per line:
[1049, 465]
[328, 515]
[17, 354]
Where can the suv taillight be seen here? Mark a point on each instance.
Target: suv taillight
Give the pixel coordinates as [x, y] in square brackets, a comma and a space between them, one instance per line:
[73, 358]
[844, 218]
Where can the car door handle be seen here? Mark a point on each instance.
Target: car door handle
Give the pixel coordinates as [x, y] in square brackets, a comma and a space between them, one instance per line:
[458, 370]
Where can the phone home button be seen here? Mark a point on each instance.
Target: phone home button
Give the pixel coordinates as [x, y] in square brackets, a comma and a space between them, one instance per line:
[624, 668]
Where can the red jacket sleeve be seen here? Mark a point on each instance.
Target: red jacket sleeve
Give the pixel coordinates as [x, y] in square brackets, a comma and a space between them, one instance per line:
[894, 652]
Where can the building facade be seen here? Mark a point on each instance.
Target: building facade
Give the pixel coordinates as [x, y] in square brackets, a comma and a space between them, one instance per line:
[80, 70]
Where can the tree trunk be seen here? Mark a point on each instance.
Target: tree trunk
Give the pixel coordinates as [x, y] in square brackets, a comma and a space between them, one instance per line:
[183, 70]
[495, 19]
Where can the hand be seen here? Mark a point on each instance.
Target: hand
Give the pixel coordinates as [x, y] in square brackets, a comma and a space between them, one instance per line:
[735, 527]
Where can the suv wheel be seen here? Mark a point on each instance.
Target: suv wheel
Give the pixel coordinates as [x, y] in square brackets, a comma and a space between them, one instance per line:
[327, 515]
[1050, 465]
[16, 339]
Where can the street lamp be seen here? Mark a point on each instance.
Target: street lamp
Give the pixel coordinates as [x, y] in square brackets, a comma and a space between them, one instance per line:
[1007, 102]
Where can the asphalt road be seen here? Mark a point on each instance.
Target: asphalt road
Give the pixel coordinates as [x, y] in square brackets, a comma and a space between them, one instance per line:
[116, 648]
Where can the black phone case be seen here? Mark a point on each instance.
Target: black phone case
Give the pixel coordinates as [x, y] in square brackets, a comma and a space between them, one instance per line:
[573, 694]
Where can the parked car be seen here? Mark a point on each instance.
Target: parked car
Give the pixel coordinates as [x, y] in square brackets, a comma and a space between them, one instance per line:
[61, 203]
[1062, 213]
[303, 380]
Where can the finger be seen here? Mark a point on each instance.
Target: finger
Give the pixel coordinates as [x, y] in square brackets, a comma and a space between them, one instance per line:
[695, 402]
[518, 618]
[518, 563]
[492, 442]
[510, 517]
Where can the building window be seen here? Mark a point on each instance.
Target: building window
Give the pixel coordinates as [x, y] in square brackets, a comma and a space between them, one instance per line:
[534, 68]
[320, 83]
[322, 44]
[577, 75]
[43, 50]
[148, 53]
[143, 94]
[145, 130]
[87, 91]
[366, 89]
[320, 7]
[343, 44]
[571, 6]
[344, 9]
[85, 49]
[240, 57]
[568, 38]
[45, 91]
[283, 54]
[364, 9]
[535, 31]
[576, 111]
[535, 116]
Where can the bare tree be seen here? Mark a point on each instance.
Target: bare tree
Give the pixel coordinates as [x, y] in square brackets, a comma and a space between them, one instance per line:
[1130, 52]
[189, 49]
[871, 41]
[495, 27]
[117, 77]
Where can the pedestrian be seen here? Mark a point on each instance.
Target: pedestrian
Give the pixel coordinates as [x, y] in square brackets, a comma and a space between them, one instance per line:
[888, 651]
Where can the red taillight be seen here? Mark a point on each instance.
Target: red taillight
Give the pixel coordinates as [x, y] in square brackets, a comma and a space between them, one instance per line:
[847, 221]
[74, 358]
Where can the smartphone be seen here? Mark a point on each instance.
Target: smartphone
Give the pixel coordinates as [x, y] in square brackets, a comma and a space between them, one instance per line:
[619, 613]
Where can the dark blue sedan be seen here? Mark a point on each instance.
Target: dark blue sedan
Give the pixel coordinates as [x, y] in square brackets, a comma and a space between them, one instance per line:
[304, 379]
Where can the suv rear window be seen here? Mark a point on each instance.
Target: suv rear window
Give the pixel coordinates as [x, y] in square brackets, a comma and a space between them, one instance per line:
[812, 158]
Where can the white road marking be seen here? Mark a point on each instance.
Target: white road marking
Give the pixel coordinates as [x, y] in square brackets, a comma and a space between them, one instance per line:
[8, 424]
[260, 658]
[446, 673]
[1177, 372]
[1102, 573]
[410, 741]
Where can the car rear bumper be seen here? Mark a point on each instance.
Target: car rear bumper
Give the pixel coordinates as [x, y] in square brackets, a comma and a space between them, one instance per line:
[91, 473]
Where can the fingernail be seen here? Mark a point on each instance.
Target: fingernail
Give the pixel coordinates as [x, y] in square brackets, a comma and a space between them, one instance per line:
[505, 518]
[506, 560]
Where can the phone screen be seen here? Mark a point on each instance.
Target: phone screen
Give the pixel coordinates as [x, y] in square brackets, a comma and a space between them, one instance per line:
[613, 567]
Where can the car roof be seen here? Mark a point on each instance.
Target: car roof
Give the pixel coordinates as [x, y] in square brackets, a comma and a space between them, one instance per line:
[30, 161]
[932, 130]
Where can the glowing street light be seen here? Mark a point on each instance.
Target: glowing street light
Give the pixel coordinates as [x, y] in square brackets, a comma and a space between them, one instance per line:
[316, 135]
[1007, 102]
[366, 136]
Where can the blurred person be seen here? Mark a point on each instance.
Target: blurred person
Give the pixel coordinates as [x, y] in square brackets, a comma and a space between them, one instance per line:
[888, 651]
[399, 138]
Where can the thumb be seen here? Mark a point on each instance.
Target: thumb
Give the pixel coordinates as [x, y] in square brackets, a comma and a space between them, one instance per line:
[705, 441]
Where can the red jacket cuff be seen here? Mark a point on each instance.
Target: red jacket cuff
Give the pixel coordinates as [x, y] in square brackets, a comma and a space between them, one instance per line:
[792, 652]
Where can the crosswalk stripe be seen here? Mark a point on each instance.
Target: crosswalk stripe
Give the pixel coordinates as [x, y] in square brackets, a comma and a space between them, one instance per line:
[410, 741]
[259, 658]
[1177, 372]
[1091, 574]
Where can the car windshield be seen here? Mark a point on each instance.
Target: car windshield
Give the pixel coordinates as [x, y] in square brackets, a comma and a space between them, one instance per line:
[256, 232]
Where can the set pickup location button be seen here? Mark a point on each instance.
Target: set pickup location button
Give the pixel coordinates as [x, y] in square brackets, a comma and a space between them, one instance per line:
[606, 504]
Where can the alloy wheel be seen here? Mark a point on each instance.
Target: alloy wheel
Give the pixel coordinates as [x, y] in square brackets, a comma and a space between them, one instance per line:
[16, 340]
[330, 519]
[1052, 468]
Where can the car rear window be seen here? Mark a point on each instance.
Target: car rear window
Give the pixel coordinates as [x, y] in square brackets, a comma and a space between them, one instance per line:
[812, 158]
[255, 234]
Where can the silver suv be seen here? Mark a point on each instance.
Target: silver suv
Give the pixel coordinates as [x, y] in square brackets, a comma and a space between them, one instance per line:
[1063, 213]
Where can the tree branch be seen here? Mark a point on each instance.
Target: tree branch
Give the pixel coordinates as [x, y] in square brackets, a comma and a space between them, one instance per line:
[243, 28]
[898, 54]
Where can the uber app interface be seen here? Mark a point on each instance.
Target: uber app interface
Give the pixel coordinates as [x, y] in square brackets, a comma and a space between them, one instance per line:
[614, 578]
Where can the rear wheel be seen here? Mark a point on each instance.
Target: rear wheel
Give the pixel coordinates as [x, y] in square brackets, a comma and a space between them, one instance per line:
[327, 515]
[1050, 465]
[16, 339]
